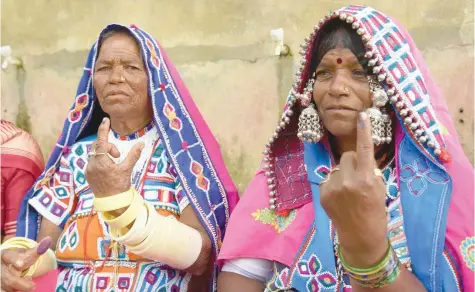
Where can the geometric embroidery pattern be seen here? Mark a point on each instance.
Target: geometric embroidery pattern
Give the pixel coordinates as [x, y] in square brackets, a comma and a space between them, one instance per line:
[161, 189]
[396, 234]
[317, 281]
[309, 267]
[81, 102]
[278, 279]
[175, 122]
[201, 181]
[69, 238]
[61, 192]
[418, 174]
[322, 171]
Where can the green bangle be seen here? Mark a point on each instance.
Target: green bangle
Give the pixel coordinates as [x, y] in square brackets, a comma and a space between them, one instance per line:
[370, 270]
[383, 273]
[384, 282]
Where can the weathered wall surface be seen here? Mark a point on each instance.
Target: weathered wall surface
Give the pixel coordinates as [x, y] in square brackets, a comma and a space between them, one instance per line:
[223, 50]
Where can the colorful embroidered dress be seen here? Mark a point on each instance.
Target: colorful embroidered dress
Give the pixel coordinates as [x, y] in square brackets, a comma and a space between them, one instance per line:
[430, 189]
[311, 268]
[85, 242]
[180, 165]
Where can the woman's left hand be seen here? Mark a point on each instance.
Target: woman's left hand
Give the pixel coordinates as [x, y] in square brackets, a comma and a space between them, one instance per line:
[104, 176]
[354, 198]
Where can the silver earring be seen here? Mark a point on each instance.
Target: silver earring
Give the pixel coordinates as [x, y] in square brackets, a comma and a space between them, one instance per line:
[387, 127]
[380, 120]
[309, 127]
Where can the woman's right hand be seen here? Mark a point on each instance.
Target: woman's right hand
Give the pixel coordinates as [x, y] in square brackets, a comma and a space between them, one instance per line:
[14, 261]
[354, 197]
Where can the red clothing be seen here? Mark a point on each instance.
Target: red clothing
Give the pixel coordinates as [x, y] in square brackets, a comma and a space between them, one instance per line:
[21, 163]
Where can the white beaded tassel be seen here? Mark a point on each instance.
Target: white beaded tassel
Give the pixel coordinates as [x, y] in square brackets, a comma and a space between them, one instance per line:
[295, 95]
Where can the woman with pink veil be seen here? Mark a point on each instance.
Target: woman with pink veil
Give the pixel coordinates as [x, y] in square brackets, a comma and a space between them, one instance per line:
[364, 184]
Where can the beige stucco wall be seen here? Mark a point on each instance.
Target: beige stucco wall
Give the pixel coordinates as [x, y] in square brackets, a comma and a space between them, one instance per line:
[223, 50]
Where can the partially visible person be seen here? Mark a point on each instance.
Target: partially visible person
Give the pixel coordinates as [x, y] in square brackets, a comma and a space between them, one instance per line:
[21, 163]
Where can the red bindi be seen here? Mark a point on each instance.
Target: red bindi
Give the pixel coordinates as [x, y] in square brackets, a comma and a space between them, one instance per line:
[339, 60]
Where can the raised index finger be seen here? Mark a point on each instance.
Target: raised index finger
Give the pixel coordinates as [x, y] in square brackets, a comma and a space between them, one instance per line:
[364, 144]
[31, 255]
[103, 135]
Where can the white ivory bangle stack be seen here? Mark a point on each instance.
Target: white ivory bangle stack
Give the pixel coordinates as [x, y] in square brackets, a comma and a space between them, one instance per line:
[153, 236]
[169, 241]
[128, 216]
[139, 230]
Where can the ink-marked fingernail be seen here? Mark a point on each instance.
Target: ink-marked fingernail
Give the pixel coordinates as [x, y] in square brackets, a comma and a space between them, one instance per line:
[43, 246]
[363, 116]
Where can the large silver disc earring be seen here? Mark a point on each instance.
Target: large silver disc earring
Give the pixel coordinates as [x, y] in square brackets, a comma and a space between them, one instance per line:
[380, 121]
[309, 127]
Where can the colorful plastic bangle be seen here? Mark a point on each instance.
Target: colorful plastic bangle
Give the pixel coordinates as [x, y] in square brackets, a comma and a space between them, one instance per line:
[383, 273]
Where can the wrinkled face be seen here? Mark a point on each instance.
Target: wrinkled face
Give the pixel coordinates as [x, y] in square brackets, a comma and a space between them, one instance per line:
[341, 91]
[120, 79]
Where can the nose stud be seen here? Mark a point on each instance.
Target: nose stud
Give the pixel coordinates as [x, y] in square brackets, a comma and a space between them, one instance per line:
[122, 78]
[346, 89]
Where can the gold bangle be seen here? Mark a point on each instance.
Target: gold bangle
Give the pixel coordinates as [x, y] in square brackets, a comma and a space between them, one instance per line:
[128, 216]
[115, 202]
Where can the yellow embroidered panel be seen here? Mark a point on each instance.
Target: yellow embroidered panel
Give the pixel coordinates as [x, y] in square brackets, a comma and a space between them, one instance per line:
[279, 222]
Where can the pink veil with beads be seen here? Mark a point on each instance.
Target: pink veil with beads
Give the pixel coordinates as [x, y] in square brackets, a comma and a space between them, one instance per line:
[255, 231]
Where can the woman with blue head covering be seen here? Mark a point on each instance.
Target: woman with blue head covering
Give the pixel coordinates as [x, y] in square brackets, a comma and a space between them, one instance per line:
[135, 196]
